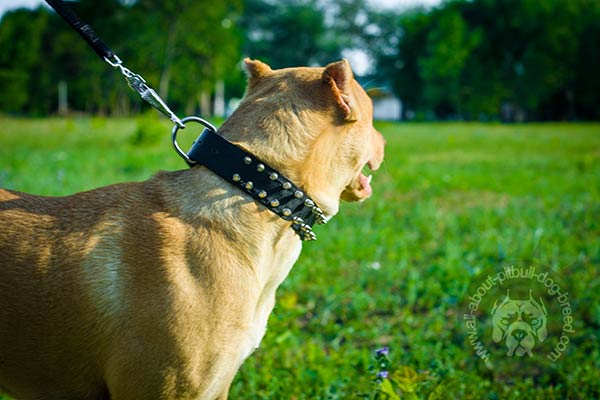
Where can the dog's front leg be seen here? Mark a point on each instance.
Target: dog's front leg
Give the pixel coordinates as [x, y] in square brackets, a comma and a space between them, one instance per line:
[225, 393]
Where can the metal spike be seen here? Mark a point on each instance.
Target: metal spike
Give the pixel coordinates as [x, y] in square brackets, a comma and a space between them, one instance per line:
[262, 194]
[247, 160]
[298, 194]
[273, 176]
[260, 167]
[249, 185]
[307, 234]
[287, 212]
[236, 177]
[287, 185]
[275, 203]
[309, 203]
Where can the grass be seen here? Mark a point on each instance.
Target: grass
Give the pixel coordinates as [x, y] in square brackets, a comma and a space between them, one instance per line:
[452, 203]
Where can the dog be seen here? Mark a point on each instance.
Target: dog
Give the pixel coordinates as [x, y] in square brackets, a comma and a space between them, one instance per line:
[519, 323]
[161, 289]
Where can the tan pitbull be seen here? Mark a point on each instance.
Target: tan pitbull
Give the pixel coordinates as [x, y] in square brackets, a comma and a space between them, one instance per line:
[160, 289]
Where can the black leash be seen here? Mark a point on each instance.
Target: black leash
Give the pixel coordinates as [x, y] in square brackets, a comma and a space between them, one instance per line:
[135, 81]
[242, 169]
[84, 30]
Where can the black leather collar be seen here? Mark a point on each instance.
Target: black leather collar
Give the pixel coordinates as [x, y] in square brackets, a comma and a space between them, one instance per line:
[255, 177]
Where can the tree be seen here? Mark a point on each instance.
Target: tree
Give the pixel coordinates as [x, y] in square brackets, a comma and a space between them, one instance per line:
[21, 44]
[490, 59]
[289, 33]
[472, 59]
[397, 44]
[449, 44]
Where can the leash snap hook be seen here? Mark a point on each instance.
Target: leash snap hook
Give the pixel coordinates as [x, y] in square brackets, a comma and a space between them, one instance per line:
[115, 62]
[139, 85]
[207, 126]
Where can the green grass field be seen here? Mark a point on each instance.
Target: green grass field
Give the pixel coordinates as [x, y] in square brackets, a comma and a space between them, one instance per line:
[451, 203]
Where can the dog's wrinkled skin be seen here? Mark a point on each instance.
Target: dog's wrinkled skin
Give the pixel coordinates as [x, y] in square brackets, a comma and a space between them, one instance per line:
[161, 289]
[519, 323]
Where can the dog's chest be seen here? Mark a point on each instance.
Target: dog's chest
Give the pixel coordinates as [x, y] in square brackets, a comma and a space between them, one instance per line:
[276, 270]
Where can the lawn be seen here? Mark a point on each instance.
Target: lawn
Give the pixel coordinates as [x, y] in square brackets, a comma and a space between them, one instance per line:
[452, 204]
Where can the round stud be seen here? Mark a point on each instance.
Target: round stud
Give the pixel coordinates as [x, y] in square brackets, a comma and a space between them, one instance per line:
[260, 167]
[309, 203]
[247, 160]
[287, 185]
[274, 203]
[236, 177]
[298, 194]
[273, 176]
[286, 212]
[262, 194]
[249, 185]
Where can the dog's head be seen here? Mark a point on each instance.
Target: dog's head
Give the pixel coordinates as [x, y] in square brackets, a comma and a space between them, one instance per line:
[519, 323]
[315, 125]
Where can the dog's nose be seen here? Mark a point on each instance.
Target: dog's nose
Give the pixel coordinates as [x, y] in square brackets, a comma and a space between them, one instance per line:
[519, 334]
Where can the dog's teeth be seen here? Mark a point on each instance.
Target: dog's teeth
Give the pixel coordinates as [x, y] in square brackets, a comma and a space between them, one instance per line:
[369, 178]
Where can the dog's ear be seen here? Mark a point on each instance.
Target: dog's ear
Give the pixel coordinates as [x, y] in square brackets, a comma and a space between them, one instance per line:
[543, 306]
[256, 70]
[495, 307]
[496, 331]
[542, 332]
[338, 76]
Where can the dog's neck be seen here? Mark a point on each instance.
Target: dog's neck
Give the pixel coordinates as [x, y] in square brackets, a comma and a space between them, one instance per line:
[299, 157]
[234, 223]
[205, 200]
[266, 185]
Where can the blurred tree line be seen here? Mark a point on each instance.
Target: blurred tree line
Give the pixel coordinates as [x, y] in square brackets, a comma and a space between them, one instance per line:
[479, 59]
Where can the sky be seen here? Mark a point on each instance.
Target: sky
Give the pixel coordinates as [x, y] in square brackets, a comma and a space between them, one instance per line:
[6, 5]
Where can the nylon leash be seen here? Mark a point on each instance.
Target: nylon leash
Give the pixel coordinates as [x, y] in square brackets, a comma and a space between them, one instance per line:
[135, 81]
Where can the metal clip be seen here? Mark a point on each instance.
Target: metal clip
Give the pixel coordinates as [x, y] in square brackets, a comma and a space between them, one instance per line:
[115, 62]
[138, 83]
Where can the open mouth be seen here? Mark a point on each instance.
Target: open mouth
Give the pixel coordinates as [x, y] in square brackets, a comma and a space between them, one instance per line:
[360, 187]
[364, 181]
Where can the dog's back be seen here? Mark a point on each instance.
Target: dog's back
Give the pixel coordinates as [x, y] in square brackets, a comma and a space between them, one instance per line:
[91, 296]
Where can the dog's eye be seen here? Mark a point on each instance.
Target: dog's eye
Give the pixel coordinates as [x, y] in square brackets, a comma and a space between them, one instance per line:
[530, 318]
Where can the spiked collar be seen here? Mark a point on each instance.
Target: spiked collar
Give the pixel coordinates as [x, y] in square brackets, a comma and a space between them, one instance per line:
[256, 178]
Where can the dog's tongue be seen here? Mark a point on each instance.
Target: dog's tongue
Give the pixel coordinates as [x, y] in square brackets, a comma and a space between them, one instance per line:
[365, 184]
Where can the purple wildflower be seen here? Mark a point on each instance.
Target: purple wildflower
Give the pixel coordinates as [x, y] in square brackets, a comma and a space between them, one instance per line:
[382, 374]
[384, 351]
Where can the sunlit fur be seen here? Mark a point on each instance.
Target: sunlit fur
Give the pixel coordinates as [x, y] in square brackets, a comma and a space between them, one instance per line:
[161, 289]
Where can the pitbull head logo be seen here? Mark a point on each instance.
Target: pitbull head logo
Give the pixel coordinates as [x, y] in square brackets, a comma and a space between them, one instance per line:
[519, 323]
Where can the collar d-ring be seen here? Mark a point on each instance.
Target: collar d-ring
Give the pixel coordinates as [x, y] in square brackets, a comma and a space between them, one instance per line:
[201, 121]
